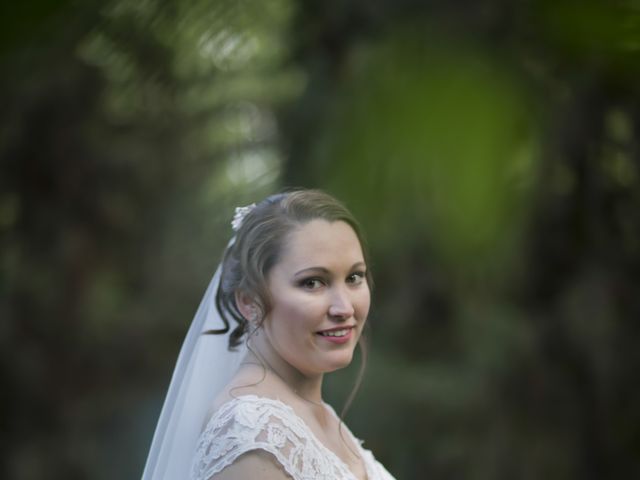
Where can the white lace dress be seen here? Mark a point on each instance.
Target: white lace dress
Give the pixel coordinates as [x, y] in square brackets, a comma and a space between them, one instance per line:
[249, 422]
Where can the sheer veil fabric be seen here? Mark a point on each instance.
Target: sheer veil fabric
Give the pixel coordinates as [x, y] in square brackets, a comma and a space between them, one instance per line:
[205, 365]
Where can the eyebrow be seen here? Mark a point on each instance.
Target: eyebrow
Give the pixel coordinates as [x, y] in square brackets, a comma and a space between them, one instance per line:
[325, 270]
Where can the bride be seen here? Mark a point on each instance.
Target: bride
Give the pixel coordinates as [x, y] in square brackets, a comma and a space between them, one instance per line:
[293, 294]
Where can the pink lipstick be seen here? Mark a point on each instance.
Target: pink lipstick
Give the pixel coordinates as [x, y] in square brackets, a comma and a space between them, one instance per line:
[337, 335]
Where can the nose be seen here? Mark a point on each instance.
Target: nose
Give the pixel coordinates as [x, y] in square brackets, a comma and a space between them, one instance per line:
[341, 307]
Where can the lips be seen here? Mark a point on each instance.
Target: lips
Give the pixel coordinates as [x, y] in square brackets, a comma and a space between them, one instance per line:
[337, 336]
[336, 331]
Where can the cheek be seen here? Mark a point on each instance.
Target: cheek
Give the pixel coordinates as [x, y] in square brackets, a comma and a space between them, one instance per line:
[362, 303]
[297, 314]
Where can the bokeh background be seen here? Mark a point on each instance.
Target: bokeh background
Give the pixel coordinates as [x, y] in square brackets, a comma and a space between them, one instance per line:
[490, 149]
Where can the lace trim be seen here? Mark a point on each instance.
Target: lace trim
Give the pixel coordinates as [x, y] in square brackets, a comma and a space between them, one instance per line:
[249, 422]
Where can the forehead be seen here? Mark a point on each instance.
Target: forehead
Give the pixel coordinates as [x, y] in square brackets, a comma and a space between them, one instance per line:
[321, 243]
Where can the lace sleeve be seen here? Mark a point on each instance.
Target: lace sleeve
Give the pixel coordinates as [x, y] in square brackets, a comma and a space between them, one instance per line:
[249, 423]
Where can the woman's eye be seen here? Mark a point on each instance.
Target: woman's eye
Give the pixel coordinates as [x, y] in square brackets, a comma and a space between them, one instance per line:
[311, 283]
[356, 278]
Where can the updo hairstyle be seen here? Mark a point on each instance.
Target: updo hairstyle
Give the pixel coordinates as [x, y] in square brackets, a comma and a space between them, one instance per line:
[258, 246]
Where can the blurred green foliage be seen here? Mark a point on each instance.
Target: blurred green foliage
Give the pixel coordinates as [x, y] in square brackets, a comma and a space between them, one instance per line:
[445, 136]
[489, 148]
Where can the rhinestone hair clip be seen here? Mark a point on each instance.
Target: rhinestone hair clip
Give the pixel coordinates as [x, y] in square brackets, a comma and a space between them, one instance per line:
[239, 215]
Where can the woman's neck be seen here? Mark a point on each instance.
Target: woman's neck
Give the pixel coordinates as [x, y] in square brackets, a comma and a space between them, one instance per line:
[306, 386]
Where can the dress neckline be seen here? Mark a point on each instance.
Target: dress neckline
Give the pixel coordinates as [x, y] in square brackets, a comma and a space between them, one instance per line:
[312, 435]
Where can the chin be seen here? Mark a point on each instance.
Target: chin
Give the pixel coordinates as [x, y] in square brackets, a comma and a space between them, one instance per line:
[339, 361]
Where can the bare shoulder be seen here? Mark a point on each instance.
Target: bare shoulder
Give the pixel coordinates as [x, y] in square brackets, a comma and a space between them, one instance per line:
[253, 464]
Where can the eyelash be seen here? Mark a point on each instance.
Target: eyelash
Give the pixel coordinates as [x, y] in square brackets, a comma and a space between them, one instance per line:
[360, 277]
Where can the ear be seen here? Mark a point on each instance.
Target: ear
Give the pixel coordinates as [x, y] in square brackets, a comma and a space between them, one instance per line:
[247, 306]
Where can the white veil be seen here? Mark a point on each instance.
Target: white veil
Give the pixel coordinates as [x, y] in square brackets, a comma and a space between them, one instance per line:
[205, 365]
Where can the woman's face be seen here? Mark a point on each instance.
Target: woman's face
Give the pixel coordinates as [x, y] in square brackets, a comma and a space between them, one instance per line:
[319, 297]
